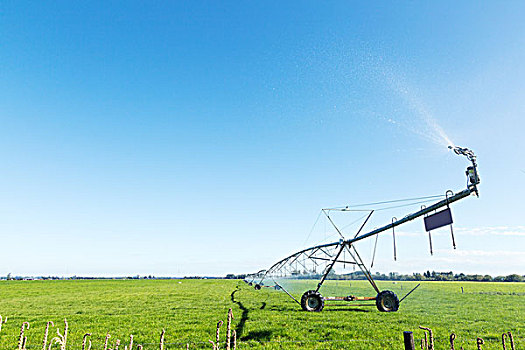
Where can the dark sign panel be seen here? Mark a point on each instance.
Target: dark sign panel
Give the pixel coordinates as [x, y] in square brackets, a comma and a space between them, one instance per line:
[439, 219]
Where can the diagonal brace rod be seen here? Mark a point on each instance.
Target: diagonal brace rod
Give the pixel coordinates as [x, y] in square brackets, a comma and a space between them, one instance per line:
[329, 268]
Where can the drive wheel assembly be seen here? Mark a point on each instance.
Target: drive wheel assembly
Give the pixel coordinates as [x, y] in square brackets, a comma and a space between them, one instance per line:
[312, 301]
[387, 301]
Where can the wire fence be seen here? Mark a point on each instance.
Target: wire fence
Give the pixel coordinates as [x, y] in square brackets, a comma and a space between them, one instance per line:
[229, 341]
[439, 343]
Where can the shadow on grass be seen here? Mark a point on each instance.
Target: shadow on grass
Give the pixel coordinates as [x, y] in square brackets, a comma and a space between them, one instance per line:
[256, 335]
[348, 308]
[244, 317]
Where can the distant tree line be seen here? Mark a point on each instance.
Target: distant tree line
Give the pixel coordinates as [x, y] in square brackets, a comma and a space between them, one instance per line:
[232, 276]
[358, 275]
[394, 276]
[431, 276]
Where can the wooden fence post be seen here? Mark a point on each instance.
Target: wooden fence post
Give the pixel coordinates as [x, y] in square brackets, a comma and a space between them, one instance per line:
[409, 340]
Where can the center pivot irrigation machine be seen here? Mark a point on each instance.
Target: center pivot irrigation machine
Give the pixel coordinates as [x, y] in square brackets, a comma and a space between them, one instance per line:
[317, 263]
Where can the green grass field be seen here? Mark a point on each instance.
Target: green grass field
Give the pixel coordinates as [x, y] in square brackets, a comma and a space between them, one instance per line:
[190, 309]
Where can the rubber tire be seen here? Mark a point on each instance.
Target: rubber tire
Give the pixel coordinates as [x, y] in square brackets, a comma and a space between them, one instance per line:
[312, 301]
[257, 287]
[387, 301]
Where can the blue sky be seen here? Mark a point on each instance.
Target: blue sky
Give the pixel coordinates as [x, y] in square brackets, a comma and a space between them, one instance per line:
[203, 137]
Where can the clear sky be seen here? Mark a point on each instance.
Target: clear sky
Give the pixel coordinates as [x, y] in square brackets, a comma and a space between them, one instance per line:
[203, 137]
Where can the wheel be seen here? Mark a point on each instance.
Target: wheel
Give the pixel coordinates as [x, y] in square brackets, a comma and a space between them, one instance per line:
[257, 287]
[312, 301]
[387, 301]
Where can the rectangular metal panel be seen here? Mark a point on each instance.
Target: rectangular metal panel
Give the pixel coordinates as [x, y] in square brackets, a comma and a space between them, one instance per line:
[439, 219]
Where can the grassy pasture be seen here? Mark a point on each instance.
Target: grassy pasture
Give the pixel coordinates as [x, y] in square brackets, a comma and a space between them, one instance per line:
[190, 309]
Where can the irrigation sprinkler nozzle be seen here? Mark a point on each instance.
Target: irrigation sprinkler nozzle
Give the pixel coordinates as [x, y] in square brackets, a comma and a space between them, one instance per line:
[463, 151]
[472, 174]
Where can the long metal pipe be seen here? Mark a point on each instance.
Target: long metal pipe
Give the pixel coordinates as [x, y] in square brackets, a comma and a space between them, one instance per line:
[465, 193]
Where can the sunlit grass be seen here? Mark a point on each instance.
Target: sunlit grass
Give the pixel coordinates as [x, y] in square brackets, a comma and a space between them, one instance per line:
[190, 309]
